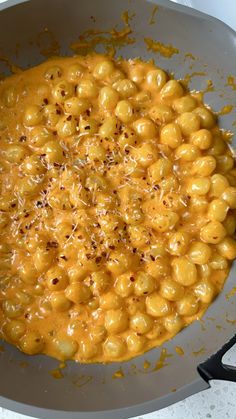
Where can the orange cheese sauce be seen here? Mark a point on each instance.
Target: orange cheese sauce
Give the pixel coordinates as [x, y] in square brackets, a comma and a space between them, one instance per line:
[226, 110]
[164, 50]
[117, 208]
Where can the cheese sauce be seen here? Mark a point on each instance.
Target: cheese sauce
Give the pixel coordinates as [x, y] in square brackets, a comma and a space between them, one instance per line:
[117, 208]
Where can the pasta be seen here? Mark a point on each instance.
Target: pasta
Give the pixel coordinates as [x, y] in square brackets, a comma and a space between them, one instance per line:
[117, 208]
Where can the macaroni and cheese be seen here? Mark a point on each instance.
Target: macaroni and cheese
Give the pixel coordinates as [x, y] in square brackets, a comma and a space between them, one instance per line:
[117, 208]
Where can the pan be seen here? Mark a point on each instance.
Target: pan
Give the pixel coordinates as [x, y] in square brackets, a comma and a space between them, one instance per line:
[206, 48]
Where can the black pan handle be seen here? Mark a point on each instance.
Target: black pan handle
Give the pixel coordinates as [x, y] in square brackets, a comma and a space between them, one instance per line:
[214, 369]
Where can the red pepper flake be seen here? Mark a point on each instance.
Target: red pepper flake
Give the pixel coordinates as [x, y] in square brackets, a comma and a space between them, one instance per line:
[52, 244]
[23, 138]
[55, 281]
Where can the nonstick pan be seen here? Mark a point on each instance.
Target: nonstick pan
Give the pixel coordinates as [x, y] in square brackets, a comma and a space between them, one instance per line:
[206, 49]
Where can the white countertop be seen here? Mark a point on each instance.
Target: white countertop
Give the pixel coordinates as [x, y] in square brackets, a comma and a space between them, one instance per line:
[218, 402]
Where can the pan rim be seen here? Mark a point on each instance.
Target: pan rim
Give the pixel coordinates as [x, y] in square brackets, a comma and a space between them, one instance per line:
[120, 413]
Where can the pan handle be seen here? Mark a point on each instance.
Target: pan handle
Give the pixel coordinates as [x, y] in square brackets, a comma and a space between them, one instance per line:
[214, 369]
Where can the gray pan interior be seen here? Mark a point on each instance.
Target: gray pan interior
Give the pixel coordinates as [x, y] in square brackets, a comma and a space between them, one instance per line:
[90, 389]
